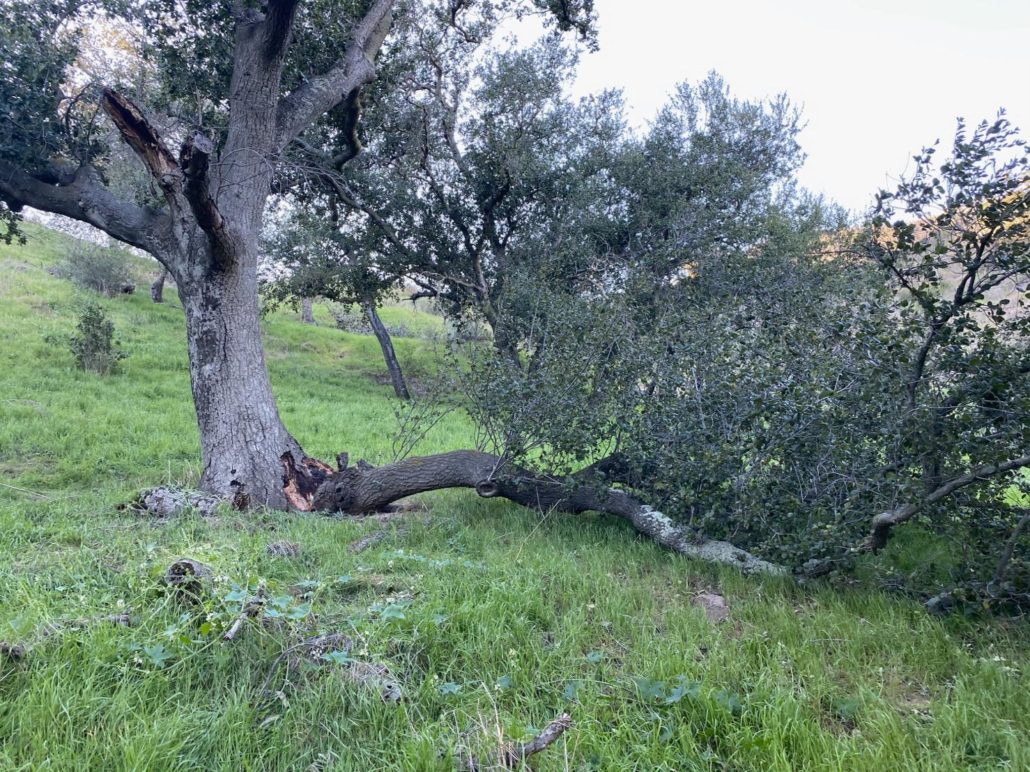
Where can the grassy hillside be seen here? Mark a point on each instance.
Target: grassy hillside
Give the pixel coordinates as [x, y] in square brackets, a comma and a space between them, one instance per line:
[493, 619]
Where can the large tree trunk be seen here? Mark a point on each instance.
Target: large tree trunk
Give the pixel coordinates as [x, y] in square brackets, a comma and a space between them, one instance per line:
[306, 314]
[206, 234]
[241, 435]
[400, 388]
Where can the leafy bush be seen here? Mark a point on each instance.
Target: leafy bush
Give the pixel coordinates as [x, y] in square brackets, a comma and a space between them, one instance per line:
[351, 320]
[93, 343]
[99, 269]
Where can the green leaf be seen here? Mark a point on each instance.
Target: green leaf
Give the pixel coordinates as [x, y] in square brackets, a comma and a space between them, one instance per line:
[683, 688]
[648, 689]
[449, 688]
[570, 690]
[730, 701]
[394, 611]
[336, 657]
[157, 654]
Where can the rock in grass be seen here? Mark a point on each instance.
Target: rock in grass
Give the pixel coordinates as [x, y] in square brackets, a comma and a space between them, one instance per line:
[283, 549]
[164, 502]
[187, 577]
[714, 606]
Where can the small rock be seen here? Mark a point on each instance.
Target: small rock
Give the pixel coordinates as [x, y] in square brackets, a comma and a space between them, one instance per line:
[376, 677]
[165, 502]
[187, 577]
[283, 549]
[714, 606]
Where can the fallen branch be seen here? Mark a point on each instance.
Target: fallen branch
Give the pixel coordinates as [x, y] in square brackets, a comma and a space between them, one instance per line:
[250, 609]
[372, 539]
[361, 489]
[510, 756]
[884, 523]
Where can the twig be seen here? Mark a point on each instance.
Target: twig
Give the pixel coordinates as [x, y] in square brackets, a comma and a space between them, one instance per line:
[250, 609]
[26, 490]
[510, 756]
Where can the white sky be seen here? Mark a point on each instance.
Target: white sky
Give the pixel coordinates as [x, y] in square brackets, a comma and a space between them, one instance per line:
[876, 79]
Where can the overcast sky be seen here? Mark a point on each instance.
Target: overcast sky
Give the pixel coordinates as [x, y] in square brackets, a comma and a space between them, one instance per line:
[877, 79]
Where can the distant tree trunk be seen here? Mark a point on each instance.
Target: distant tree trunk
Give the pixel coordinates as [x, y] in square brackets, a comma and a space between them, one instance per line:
[306, 315]
[157, 289]
[400, 388]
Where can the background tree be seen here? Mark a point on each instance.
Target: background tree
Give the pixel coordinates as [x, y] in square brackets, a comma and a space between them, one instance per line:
[777, 383]
[314, 256]
[474, 168]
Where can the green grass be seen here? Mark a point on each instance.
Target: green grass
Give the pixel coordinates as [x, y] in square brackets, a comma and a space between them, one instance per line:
[493, 618]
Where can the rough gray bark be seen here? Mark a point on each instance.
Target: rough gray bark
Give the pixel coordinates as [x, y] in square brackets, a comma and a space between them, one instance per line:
[400, 388]
[306, 314]
[241, 435]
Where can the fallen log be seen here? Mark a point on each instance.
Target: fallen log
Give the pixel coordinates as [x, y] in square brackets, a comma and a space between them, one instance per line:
[362, 488]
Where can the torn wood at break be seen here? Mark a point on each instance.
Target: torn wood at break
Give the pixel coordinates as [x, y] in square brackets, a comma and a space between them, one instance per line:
[142, 137]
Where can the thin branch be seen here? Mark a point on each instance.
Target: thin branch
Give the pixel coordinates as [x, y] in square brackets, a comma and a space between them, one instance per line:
[354, 70]
[512, 756]
[884, 523]
[1010, 548]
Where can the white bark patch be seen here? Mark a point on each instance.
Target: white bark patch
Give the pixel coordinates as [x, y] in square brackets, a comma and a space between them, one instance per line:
[663, 530]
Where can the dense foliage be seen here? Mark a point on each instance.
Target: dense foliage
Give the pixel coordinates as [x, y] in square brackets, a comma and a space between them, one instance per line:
[778, 382]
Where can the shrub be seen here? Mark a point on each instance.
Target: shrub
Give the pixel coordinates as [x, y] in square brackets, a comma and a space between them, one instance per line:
[353, 321]
[95, 268]
[93, 343]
